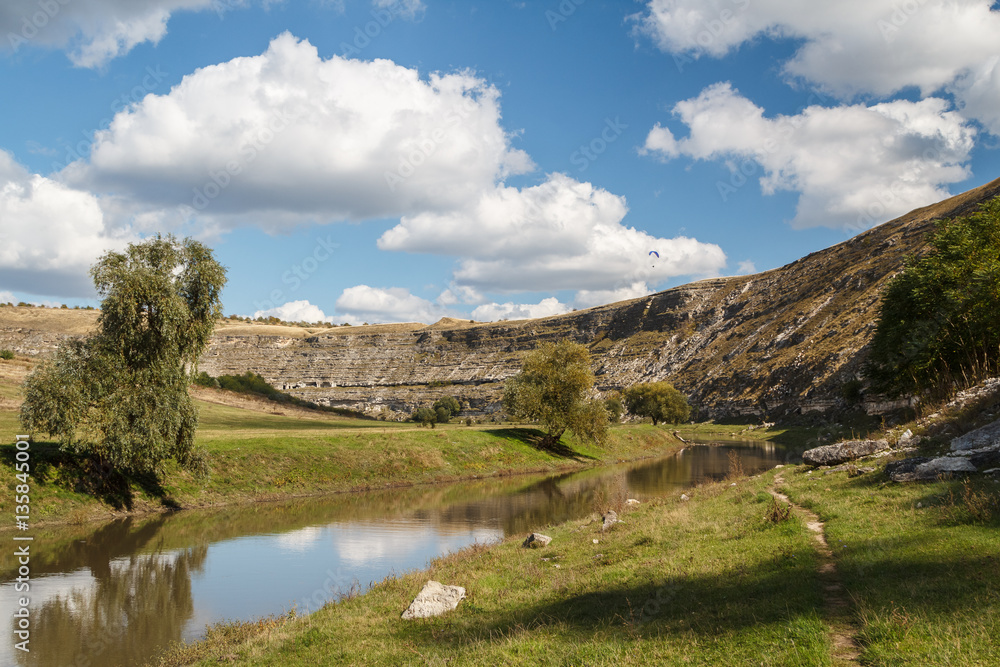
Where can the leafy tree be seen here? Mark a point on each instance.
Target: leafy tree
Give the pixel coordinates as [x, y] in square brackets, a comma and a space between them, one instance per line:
[121, 396]
[552, 388]
[613, 404]
[446, 408]
[425, 416]
[938, 322]
[659, 401]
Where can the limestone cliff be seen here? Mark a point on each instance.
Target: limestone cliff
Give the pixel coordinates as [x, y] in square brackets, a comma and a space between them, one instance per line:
[767, 344]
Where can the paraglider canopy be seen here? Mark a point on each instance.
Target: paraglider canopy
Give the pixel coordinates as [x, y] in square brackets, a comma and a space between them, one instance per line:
[653, 253]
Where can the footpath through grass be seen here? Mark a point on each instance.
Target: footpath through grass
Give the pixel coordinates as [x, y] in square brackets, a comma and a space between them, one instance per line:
[714, 580]
[257, 456]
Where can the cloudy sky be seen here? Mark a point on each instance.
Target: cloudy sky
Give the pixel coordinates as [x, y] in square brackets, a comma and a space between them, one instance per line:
[404, 160]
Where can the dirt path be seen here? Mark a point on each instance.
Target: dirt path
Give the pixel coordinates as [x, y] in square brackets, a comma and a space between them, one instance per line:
[836, 607]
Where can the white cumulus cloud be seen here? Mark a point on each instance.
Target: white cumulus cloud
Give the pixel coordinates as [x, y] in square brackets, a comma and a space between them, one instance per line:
[296, 311]
[588, 298]
[50, 234]
[855, 166]
[362, 303]
[851, 47]
[93, 32]
[561, 234]
[287, 137]
[519, 311]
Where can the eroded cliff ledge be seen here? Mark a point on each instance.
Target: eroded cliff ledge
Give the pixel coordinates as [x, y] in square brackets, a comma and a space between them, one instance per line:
[767, 344]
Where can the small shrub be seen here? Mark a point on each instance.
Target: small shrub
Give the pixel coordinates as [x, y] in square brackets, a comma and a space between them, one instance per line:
[851, 391]
[735, 466]
[6, 354]
[778, 512]
[974, 506]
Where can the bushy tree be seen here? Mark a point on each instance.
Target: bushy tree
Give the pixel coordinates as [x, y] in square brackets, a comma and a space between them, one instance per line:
[613, 404]
[659, 401]
[552, 388]
[121, 396]
[425, 416]
[939, 321]
[446, 408]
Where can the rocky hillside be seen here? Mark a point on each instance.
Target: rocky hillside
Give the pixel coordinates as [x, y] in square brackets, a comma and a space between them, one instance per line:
[781, 341]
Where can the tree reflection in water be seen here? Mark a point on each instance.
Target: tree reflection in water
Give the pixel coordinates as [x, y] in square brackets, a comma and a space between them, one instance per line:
[135, 605]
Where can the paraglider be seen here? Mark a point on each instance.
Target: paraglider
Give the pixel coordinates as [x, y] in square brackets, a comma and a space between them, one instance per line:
[654, 253]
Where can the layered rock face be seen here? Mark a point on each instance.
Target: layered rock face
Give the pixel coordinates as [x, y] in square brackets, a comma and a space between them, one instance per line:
[792, 339]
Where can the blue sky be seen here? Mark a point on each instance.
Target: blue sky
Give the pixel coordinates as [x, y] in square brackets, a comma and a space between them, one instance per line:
[405, 160]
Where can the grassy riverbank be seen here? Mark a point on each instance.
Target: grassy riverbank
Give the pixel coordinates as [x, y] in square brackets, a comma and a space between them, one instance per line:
[257, 456]
[714, 580]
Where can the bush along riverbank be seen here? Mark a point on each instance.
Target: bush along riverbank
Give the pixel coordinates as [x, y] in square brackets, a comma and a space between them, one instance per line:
[256, 456]
[729, 573]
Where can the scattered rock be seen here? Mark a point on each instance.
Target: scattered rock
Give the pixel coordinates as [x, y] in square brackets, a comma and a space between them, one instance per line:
[780, 465]
[434, 599]
[536, 540]
[632, 502]
[945, 465]
[610, 519]
[842, 452]
[902, 471]
[921, 468]
[908, 439]
[685, 496]
[986, 460]
[986, 437]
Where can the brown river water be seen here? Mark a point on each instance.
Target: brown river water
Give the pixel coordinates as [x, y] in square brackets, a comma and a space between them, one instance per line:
[118, 593]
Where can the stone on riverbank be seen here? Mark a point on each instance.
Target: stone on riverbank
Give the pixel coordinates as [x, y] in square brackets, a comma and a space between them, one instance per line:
[610, 519]
[982, 438]
[842, 452]
[536, 540]
[434, 599]
[923, 469]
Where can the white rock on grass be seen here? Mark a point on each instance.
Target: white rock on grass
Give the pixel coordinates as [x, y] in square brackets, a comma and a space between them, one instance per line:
[943, 465]
[434, 599]
[536, 540]
[986, 437]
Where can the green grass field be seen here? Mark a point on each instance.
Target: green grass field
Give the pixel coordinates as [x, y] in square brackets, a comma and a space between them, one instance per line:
[256, 456]
[710, 581]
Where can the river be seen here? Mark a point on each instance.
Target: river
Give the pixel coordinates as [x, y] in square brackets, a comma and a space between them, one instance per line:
[118, 593]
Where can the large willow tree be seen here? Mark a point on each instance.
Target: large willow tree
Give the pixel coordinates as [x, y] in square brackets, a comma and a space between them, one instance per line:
[552, 388]
[939, 323]
[121, 395]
